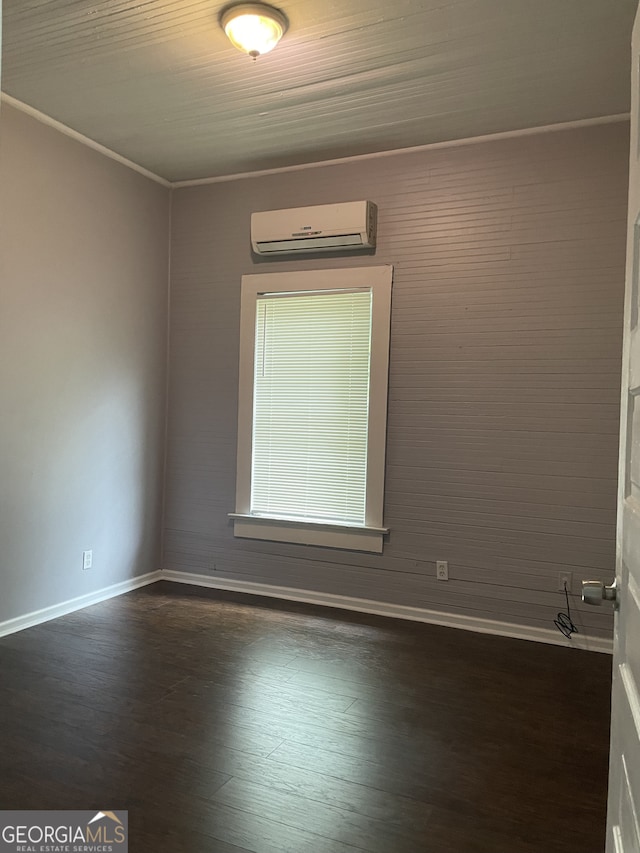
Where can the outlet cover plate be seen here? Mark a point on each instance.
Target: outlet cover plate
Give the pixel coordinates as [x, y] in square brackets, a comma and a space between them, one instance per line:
[565, 577]
[442, 570]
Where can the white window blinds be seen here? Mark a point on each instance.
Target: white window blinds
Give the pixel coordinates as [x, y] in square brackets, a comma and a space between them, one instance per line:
[311, 405]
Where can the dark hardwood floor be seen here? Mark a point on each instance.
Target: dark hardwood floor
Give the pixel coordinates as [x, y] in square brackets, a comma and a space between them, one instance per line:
[228, 724]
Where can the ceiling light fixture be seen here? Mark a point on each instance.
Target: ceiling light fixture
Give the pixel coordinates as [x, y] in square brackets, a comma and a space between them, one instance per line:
[253, 28]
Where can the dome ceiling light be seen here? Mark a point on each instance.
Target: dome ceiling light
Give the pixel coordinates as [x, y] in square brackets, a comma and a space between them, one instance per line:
[254, 28]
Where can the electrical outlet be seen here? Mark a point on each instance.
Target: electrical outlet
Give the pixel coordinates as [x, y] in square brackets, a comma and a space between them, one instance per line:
[442, 570]
[87, 560]
[564, 577]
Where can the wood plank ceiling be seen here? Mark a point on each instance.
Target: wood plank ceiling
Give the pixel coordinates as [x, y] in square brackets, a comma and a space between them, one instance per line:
[158, 82]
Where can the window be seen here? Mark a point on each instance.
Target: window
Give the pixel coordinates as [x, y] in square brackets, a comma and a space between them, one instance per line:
[314, 357]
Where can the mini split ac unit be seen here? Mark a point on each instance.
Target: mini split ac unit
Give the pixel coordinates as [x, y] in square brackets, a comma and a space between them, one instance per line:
[324, 228]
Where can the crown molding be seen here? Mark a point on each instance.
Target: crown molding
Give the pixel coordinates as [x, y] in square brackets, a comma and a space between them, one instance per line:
[79, 137]
[430, 146]
[258, 173]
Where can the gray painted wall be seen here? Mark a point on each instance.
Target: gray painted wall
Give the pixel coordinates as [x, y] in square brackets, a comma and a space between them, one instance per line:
[504, 381]
[83, 287]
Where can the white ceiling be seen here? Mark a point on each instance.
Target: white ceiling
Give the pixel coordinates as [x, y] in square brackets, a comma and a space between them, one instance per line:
[158, 82]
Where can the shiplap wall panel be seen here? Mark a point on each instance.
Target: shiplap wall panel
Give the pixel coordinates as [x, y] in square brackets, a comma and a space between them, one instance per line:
[504, 378]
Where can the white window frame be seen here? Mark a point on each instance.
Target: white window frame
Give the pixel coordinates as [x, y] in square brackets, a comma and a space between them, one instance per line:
[364, 537]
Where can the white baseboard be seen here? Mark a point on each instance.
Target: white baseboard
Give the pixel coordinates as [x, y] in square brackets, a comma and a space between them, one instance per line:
[396, 611]
[56, 610]
[323, 599]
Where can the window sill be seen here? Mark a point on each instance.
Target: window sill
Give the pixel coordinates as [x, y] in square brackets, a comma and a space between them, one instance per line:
[351, 537]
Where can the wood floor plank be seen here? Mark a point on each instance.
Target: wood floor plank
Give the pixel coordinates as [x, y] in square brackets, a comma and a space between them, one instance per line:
[331, 822]
[259, 693]
[29, 708]
[231, 724]
[221, 822]
[200, 734]
[477, 787]
[127, 774]
[320, 787]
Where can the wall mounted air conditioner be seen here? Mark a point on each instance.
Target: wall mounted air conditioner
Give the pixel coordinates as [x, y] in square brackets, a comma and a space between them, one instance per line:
[324, 228]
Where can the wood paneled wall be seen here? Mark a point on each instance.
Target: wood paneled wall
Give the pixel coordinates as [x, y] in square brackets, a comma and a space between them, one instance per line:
[504, 378]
